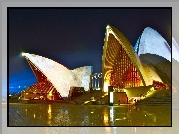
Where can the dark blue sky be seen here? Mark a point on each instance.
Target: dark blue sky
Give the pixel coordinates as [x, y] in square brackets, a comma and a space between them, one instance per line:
[73, 37]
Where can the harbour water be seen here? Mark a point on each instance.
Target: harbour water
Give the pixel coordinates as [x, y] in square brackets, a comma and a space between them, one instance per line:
[88, 115]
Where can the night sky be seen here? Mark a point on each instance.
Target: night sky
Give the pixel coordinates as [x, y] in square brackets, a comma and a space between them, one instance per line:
[73, 37]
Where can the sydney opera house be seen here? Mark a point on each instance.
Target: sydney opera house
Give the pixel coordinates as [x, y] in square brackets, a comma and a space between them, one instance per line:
[131, 71]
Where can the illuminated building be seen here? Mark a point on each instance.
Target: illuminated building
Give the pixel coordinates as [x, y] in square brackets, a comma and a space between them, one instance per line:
[54, 79]
[126, 68]
[133, 71]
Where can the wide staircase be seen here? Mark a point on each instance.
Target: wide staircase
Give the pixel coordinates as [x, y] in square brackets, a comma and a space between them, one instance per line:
[157, 97]
[89, 98]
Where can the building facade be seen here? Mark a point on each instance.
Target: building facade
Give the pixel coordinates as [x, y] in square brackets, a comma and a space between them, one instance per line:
[121, 63]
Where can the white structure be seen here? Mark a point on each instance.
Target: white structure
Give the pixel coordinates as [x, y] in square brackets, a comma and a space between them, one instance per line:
[152, 42]
[61, 77]
[96, 78]
[83, 74]
[122, 67]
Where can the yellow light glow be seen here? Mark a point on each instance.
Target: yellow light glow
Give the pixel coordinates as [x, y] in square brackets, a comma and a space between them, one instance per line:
[49, 112]
[105, 117]
[49, 109]
[50, 93]
[107, 27]
[106, 87]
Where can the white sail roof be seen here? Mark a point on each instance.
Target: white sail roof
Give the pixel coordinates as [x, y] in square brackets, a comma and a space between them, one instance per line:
[152, 42]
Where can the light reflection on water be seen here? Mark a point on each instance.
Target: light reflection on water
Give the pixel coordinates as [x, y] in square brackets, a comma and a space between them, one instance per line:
[105, 120]
[111, 116]
[91, 115]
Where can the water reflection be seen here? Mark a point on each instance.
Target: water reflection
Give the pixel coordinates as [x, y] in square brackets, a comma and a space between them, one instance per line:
[86, 121]
[111, 116]
[49, 114]
[62, 118]
[26, 111]
[105, 120]
[81, 115]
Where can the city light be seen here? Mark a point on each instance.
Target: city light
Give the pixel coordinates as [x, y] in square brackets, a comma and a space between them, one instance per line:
[106, 87]
[23, 54]
[111, 97]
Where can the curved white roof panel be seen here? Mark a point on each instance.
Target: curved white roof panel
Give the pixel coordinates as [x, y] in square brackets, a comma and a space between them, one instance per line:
[152, 42]
[61, 77]
[83, 74]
